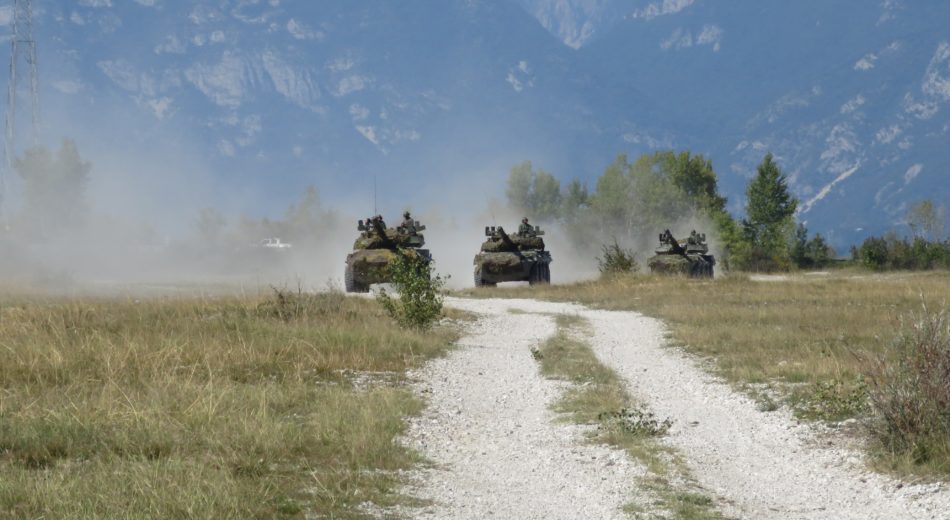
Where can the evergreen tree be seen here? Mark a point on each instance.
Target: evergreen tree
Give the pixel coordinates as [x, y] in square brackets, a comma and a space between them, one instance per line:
[770, 210]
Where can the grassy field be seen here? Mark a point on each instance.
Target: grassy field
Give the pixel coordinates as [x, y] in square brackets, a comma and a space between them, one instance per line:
[220, 407]
[797, 340]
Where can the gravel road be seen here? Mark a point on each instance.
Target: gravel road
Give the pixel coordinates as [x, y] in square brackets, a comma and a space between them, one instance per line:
[501, 453]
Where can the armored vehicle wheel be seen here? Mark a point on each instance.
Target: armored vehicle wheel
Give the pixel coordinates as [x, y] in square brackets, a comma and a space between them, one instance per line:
[479, 281]
[351, 284]
[538, 274]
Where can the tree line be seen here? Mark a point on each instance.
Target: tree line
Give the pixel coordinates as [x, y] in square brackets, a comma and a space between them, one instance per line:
[633, 201]
[926, 248]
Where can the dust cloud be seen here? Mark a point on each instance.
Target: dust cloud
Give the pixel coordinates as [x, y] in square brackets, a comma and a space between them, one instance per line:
[160, 221]
[207, 247]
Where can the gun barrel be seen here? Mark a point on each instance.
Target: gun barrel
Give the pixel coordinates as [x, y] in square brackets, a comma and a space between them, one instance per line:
[675, 247]
[504, 237]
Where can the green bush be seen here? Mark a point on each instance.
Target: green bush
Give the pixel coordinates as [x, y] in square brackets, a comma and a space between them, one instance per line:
[909, 390]
[419, 302]
[835, 400]
[617, 260]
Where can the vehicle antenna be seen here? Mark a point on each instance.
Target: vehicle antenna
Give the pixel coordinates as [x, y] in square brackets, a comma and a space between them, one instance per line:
[375, 210]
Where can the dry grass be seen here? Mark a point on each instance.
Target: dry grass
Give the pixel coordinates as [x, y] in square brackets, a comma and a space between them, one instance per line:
[223, 407]
[911, 397]
[801, 338]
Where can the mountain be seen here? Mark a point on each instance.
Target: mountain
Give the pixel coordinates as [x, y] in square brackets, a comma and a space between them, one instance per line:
[578, 22]
[851, 100]
[432, 100]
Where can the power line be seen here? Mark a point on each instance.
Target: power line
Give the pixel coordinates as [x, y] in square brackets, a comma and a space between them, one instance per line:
[22, 47]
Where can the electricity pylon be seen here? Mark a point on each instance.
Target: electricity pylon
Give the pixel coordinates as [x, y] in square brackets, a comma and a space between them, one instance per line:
[22, 48]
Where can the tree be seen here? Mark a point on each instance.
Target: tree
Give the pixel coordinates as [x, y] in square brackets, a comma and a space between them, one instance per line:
[537, 194]
[817, 252]
[54, 188]
[810, 253]
[574, 200]
[799, 251]
[656, 198]
[695, 177]
[520, 181]
[307, 218]
[546, 197]
[770, 210]
[612, 200]
[927, 220]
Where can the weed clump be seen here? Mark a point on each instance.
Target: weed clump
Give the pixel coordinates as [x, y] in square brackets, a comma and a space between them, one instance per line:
[909, 389]
[419, 303]
[615, 259]
[835, 400]
[635, 422]
[287, 305]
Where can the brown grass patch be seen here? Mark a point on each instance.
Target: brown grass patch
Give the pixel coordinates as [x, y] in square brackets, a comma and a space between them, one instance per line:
[217, 407]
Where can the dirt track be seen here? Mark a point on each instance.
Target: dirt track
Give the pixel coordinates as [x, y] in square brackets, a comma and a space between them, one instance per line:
[502, 453]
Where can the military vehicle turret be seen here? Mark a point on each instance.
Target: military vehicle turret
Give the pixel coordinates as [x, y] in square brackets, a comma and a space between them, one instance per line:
[512, 258]
[375, 249]
[689, 256]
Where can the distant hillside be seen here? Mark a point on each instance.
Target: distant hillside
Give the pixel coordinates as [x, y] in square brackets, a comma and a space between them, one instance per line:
[427, 94]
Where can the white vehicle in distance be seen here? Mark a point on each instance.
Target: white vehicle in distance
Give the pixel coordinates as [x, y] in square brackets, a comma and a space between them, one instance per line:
[274, 243]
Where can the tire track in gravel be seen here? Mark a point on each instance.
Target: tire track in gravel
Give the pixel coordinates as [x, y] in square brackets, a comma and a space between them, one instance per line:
[502, 455]
[499, 451]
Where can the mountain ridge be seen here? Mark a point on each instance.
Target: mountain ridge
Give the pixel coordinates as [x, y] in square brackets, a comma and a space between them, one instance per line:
[274, 95]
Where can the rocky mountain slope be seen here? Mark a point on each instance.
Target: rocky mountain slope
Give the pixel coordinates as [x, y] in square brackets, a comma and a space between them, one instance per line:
[273, 95]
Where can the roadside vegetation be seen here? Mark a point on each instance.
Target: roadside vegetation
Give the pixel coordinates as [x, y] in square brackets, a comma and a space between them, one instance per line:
[418, 304]
[598, 397]
[284, 404]
[910, 393]
[807, 342]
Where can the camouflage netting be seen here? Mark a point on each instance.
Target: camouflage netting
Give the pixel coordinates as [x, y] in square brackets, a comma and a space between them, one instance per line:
[371, 265]
[498, 263]
[669, 264]
[374, 241]
[522, 244]
[372, 257]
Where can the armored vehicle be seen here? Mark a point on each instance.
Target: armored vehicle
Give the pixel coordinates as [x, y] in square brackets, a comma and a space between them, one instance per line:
[512, 258]
[376, 248]
[689, 256]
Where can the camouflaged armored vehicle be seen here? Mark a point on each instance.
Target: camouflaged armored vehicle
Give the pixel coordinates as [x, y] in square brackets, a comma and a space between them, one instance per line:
[689, 256]
[376, 248]
[512, 258]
